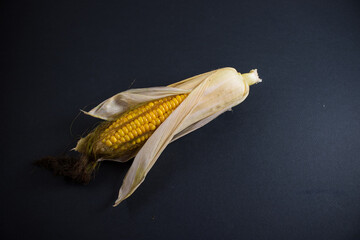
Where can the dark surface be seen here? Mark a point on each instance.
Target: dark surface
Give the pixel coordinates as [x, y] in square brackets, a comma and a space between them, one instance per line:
[285, 164]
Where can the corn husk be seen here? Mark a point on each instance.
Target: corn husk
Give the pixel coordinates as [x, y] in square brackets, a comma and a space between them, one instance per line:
[210, 94]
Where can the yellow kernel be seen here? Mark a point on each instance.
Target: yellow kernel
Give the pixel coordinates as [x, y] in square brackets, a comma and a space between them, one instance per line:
[127, 138]
[165, 106]
[138, 130]
[121, 132]
[125, 130]
[141, 120]
[103, 141]
[152, 126]
[116, 125]
[122, 139]
[113, 139]
[108, 142]
[173, 104]
[117, 135]
[169, 105]
[158, 121]
[134, 132]
[137, 122]
[116, 146]
[144, 119]
[175, 101]
[147, 127]
[151, 104]
[162, 118]
[138, 140]
[152, 114]
[142, 128]
[178, 98]
[142, 138]
[128, 126]
[129, 117]
[148, 117]
[130, 135]
[133, 125]
[160, 113]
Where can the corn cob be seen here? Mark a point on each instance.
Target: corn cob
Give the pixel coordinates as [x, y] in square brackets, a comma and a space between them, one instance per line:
[130, 130]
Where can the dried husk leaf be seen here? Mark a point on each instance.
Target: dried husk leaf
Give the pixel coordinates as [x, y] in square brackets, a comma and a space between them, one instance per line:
[122, 102]
[153, 147]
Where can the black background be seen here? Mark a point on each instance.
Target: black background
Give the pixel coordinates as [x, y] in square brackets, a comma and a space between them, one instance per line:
[285, 164]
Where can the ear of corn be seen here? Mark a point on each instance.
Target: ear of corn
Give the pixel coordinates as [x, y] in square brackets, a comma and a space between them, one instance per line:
[142, 122]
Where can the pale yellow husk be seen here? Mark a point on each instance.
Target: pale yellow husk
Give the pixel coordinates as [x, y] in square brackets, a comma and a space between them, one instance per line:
[210, 94]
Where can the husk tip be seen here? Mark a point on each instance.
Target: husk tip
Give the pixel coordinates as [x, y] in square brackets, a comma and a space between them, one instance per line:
[252, 77]
[117, 202]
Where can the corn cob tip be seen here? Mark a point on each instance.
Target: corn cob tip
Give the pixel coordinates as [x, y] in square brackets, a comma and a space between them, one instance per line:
[117, 202]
